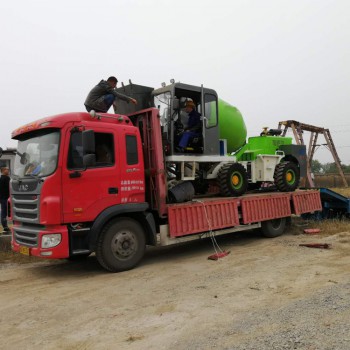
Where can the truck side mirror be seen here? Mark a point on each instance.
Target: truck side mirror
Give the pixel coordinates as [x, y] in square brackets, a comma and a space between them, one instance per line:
[24, 157]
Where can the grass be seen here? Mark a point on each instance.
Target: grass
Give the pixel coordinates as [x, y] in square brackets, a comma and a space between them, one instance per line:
[345, 191]
[328, 227]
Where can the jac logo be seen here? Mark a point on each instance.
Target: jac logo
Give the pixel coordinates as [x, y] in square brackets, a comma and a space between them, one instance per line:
[23, 188]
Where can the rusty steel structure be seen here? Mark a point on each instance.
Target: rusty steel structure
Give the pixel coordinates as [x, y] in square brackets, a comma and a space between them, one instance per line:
[298, 129]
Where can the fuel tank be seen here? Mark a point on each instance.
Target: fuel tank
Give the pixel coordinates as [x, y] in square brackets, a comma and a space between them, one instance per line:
[231, 126]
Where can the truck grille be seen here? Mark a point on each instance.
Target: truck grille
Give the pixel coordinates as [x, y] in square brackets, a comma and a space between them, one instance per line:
[27, 234]
[25, 207]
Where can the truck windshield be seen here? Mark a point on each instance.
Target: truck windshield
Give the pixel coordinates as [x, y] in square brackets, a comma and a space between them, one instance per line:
[37, 153]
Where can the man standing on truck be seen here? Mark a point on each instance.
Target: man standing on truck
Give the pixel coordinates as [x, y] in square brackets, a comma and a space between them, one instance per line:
[4, 196]
[103, 95]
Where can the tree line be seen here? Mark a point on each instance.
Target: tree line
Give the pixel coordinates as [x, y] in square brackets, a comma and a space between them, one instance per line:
[327, 168]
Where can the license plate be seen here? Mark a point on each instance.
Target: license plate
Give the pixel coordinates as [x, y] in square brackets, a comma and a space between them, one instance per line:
[24, 250]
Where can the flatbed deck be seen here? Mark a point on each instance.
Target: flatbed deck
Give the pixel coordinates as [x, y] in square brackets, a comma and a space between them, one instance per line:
[216, 213]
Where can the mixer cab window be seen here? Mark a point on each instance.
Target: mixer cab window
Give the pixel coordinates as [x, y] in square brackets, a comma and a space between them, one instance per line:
[210, 111]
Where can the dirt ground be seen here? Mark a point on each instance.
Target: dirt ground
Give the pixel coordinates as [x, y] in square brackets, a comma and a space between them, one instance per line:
[178, 299]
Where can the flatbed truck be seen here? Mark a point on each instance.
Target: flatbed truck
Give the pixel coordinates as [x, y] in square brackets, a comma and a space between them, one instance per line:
[111, 184]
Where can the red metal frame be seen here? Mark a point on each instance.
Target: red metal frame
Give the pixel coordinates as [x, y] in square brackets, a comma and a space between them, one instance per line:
[153, 158]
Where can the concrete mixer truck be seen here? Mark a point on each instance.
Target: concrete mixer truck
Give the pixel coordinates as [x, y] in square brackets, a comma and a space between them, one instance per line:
[219, 156]
[110, 184]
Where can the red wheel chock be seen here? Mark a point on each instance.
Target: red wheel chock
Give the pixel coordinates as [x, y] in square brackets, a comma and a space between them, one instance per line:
[217, 256]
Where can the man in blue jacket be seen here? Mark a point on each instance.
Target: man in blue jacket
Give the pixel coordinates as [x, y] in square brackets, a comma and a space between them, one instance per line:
[103, 95]
[194, 125]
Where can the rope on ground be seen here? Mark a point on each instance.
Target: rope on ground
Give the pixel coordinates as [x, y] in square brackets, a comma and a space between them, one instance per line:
[219, 253]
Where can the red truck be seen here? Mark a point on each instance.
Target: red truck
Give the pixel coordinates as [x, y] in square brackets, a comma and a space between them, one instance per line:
[113, 183]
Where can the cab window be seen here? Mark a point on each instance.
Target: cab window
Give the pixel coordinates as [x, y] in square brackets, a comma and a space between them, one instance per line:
[104, 151]
[210, 110]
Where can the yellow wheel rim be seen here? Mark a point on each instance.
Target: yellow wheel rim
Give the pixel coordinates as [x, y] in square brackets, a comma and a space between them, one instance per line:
[235, 180]
[289, 177]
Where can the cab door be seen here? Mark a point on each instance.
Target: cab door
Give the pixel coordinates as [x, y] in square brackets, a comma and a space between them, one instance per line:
[210, 124]
[88, 190]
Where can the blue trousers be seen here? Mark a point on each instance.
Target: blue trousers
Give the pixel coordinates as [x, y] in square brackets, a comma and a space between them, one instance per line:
[108, 100]
[186, 137]
[3, 212]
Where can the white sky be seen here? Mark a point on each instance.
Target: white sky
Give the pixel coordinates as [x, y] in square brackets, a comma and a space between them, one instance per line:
[273, 59]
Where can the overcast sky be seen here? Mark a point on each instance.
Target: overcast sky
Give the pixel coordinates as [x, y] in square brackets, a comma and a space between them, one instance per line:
[273, 59]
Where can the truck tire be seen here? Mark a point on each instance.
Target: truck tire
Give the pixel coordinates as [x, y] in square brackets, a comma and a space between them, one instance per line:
[273, 228]
[232, 180]
[121, 245]
[287, 176]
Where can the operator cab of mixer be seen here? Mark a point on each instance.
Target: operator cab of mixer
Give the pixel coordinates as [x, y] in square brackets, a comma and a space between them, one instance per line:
[171, 100]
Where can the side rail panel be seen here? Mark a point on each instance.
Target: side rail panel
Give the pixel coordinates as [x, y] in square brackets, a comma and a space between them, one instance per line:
[265, 207]
[201, 216]
[306, 201]
[205, 215]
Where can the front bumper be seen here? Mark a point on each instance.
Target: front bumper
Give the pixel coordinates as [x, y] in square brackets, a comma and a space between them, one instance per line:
[26, 239]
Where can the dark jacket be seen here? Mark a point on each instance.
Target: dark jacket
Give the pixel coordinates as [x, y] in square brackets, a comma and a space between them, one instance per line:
[94, 99]
[194, 121]
[4, 187]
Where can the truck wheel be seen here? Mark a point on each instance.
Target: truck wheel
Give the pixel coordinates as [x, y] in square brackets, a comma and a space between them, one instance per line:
[273, 228]
[232, 179]
[287, 176]
[121, 245]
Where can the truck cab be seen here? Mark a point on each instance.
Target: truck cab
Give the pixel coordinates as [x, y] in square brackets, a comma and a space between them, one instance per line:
[69, 169]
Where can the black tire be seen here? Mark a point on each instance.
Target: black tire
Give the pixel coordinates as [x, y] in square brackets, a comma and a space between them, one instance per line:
[232, 180]
[287, 176]
[273, 228]
[121, 245]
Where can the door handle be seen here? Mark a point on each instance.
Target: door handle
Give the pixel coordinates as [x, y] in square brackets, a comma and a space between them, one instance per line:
[75, 174]
[113, 190]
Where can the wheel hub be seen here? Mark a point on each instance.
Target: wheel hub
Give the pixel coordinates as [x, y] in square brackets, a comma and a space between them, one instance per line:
[289, 176]
[235, 180]
[123, 245]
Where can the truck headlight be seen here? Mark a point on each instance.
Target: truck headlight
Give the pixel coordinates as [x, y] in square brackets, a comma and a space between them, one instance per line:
[49, 241]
